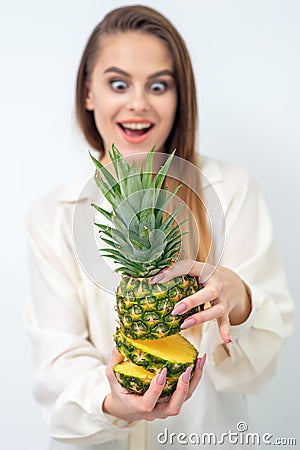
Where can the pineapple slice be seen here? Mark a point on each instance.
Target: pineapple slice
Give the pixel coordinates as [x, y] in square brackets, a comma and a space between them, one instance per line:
[137, 380]
[173, 352]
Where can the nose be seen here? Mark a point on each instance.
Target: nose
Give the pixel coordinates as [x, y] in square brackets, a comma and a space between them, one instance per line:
[138, 100]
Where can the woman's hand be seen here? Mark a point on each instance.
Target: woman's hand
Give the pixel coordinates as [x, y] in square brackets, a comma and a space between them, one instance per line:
[121, 404]
[224, 289]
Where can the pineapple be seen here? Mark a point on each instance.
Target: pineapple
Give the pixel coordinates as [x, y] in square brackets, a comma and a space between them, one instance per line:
[142, 240]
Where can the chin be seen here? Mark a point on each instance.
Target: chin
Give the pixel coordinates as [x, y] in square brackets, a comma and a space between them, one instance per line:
[128, 150]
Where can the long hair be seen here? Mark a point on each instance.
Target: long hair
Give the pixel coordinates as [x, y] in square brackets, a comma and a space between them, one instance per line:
[143, 19]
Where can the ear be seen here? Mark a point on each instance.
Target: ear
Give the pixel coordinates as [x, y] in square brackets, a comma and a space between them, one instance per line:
[88, 99]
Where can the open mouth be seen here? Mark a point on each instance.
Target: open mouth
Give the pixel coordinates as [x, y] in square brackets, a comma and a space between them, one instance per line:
[135, 129]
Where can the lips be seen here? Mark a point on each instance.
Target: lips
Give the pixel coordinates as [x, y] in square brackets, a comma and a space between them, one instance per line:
[135, 130]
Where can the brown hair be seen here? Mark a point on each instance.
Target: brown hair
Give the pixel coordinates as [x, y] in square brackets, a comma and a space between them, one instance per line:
[183, 134]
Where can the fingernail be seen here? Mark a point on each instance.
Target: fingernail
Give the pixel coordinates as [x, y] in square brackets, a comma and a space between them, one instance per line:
[186, 375]
[188, 323]
[157, 278]
[202, 361]
[161, 379]
[179, 309]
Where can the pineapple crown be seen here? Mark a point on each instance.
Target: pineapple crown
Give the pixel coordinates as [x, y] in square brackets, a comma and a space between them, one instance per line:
[141, 239]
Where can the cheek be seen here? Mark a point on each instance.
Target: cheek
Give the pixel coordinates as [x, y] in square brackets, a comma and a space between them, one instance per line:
[105, 101]
[168, 111]
[106, 108]
[103, 124]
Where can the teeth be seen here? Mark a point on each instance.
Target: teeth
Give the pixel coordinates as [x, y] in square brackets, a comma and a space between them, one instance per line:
[136, 126]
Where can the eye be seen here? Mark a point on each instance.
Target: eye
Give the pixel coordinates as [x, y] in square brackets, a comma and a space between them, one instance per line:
[158, 87]
[118, 85]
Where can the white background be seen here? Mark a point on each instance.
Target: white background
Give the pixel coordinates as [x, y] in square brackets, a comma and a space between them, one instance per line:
[246, 60]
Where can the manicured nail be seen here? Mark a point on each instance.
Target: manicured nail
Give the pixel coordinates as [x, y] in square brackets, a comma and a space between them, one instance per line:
[179, 309]
[157, 278]
[161, 379]
[202, 361]
[188, 323]
[186, 375]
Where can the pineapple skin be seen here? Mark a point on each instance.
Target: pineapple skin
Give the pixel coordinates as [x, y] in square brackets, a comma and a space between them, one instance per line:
[144, 309]
[151, 362]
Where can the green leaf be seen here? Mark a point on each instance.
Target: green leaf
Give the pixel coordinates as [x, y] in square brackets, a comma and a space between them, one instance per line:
[137, 244]
[148, 171]
[160, 176]
[108, 192]
[121, 166]
[149, 199]
[97, 163]
[106, 214]
[166, 224]
[115, 235]
[142, 238]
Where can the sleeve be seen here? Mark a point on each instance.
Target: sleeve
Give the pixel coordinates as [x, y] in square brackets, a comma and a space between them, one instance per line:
[250, 360]
[70, 380]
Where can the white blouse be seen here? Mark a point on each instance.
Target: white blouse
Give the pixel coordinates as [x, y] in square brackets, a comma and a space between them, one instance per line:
[71, 321]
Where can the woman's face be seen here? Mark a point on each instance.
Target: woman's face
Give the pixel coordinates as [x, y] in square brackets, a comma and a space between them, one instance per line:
[132, 92]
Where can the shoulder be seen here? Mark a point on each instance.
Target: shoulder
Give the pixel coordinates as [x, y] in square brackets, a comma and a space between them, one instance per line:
[223, 172]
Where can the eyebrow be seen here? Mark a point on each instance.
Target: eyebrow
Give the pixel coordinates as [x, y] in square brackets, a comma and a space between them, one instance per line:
[125, 74]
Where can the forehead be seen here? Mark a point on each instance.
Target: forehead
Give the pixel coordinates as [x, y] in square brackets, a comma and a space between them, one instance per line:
[134, 49]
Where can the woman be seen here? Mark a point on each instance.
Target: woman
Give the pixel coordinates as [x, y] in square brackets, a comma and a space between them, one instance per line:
[135, 88]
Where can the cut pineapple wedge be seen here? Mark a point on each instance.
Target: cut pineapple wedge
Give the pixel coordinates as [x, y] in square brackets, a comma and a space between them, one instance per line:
[173, 352]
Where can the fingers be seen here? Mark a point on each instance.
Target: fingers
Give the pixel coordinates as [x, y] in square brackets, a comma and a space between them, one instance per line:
[214, 312]
[212, 292]
[171, 406]
[179, 268]
[187, 266]
[207, 294]
[116, 358]
[151, 405]
[184, 390]
[224, 328]
[151, 396]
[197, 375]
[180, 394]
